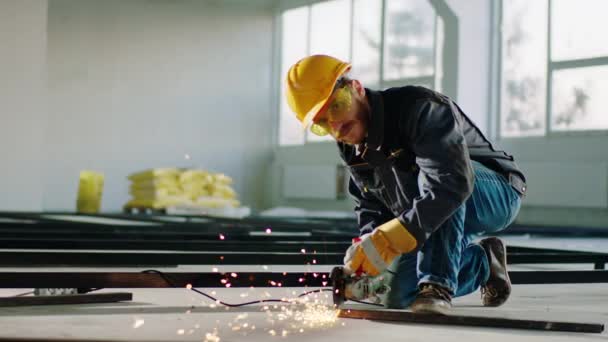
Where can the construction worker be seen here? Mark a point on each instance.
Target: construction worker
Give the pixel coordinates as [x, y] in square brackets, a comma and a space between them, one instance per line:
[425, 180]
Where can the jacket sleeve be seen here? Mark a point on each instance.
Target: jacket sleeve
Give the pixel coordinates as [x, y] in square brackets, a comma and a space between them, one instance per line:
[370, 211]
[446, 177]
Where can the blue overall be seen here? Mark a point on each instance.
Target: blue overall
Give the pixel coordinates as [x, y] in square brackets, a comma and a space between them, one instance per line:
[448, 258]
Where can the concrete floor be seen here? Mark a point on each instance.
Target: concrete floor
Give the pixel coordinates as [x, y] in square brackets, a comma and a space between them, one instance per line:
[183, 315]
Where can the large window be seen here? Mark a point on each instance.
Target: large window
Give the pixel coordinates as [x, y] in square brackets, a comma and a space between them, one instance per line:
[388, 42]
[409, 39]
[554, 66]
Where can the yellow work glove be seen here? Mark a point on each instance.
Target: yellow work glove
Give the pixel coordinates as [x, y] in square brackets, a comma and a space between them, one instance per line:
[373, 252]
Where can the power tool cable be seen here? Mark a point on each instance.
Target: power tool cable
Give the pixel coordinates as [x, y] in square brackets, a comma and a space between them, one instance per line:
[270, 300]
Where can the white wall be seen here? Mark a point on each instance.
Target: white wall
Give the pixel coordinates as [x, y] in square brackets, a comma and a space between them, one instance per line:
[22, 102]
[138, 84]
[473, 58]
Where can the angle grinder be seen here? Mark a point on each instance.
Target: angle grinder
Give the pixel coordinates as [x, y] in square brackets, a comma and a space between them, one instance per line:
[358, 287]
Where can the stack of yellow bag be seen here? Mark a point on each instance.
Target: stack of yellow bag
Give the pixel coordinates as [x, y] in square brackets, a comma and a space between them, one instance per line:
[162, 188]
[156, 189]
[209, 190]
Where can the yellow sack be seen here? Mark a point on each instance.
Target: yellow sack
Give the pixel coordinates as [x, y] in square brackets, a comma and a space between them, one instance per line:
[155, 193]
[154, 173]
[222, 179]
[195, 176]
[163, 182]
[90, 189]
[214, 202]
[195, 190]
[160, 203]
[223, 191]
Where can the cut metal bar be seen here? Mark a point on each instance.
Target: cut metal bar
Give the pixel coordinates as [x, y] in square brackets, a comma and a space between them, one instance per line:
[541, 250]
[288, 254]
[67, 299]
[158, 280]
[559, 277]
[486, 322]
[60, 339]
[71, 222]
[557, 258]
[168, 243]
[141, 259]
[241, 279]
[182, 232]
[349, 224]
[148, 242]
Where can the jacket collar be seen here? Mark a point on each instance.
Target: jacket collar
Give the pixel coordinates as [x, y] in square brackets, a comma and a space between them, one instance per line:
[375, 130]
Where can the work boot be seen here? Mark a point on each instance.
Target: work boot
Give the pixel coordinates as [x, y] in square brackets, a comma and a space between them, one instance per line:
[497, 289]
[432, 299]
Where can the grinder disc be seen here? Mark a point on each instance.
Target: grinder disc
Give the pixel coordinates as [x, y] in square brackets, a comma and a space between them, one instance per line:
[338, 283]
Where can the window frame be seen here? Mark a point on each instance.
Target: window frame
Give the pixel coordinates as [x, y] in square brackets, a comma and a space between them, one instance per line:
[431, 79]
[551, 67]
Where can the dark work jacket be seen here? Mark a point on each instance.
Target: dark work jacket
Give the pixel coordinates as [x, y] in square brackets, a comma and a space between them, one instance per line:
[415, 163]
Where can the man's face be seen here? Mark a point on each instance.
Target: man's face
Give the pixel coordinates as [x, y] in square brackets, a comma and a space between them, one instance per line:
[345, 116]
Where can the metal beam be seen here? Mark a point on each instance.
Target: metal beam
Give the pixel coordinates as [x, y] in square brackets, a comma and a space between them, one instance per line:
[154, 279]
[143, 259]
[157, 244]
[214, 241]
[477, 321]
[67, 299]
[229, 253]
[559, 277]
[261, 255]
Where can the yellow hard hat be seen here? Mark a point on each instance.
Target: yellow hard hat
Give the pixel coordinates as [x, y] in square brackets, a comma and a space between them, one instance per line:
[310, 83]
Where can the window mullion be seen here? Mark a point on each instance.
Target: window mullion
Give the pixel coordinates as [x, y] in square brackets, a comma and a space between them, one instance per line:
[579, 63]
[308, 45]
[277, 70]
[434, 83]
[549, 81]
[382, 34]
[495, 88]
[352, 29]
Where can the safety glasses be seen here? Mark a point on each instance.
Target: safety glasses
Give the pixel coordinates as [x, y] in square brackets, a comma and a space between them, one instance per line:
[335, 109]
